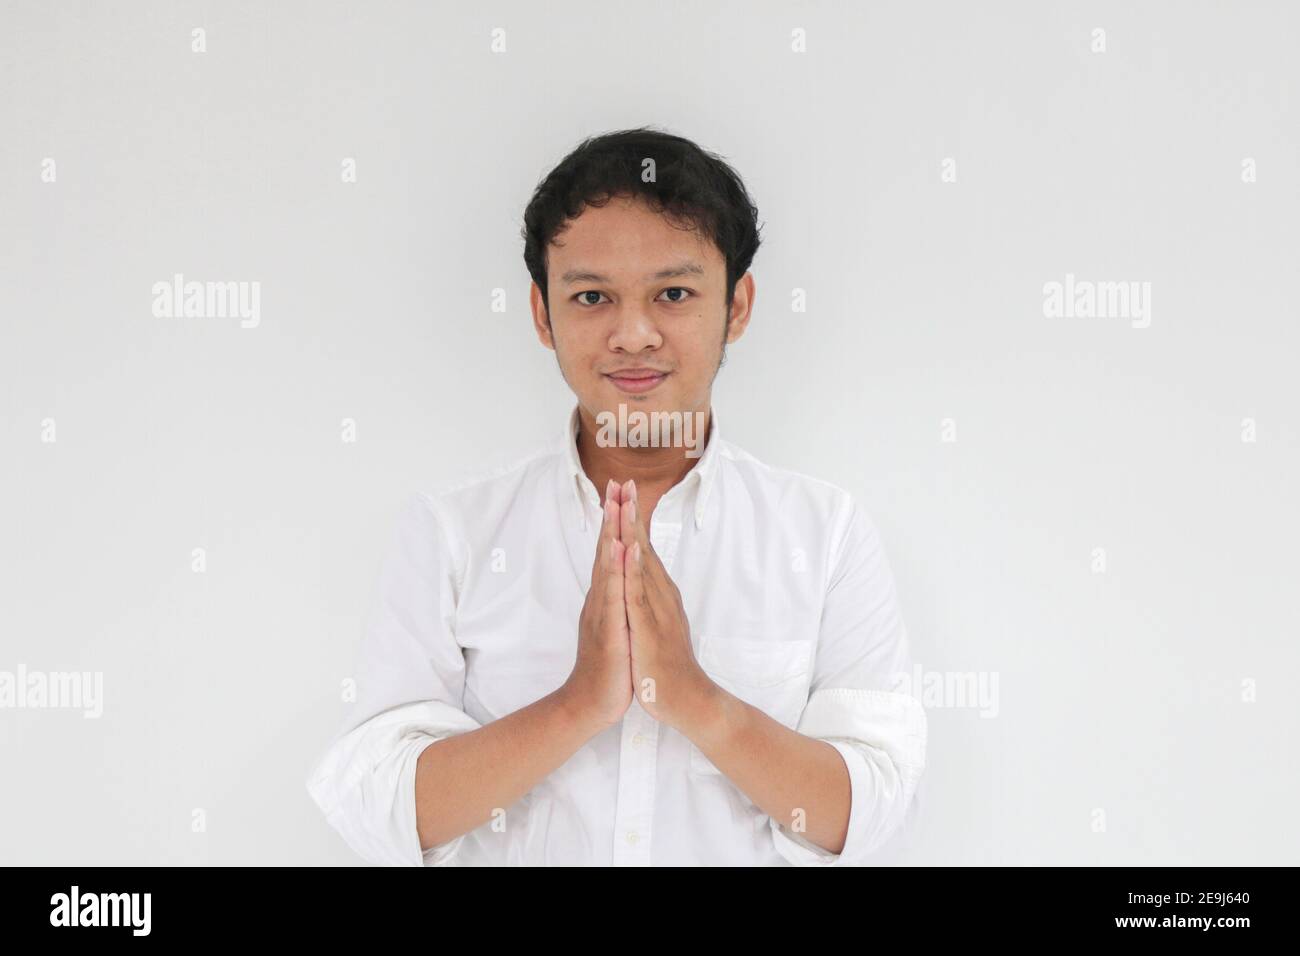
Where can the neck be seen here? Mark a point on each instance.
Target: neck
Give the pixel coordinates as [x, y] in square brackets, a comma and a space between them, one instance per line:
[654, 469]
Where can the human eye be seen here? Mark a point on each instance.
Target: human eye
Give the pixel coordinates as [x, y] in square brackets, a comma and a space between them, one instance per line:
[581, 297]
[684, 294]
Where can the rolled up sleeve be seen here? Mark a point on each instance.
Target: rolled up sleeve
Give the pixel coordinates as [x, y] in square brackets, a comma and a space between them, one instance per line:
[858, 700]
[365, 783]
[409, 694]
[881, 737]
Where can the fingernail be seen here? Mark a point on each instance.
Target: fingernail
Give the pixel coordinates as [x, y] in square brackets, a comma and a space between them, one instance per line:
[633, 484]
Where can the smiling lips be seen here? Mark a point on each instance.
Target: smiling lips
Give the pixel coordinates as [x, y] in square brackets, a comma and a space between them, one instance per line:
[636, 380]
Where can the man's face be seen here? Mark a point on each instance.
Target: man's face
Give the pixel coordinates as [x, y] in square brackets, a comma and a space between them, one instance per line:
[638, 310]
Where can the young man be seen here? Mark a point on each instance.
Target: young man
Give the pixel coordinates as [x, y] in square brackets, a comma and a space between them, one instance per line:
[625, 650]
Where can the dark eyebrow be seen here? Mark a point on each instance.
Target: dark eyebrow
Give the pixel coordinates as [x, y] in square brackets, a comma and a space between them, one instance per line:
[574, 276]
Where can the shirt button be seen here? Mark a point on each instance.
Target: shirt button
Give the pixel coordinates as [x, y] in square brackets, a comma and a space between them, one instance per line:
[632, 837]
[638, 740]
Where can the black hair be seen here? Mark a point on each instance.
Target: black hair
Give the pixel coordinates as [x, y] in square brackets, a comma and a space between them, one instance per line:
[691, 186]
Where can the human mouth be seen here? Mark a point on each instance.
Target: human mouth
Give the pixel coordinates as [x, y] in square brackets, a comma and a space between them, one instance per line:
[636, 380]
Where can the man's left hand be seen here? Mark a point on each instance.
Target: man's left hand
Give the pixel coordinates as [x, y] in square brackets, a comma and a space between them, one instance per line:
[666, 678]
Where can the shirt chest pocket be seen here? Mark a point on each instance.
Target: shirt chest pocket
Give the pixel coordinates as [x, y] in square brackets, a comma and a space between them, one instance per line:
[770, 675]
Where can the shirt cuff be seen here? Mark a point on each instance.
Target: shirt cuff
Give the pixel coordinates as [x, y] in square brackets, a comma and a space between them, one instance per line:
[365, 783]
[881, 738]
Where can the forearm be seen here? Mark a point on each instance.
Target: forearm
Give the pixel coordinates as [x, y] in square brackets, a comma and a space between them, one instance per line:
[461, 780]
[793, 778]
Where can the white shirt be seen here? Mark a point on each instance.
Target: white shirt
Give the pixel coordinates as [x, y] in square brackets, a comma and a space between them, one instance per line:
[792, 608]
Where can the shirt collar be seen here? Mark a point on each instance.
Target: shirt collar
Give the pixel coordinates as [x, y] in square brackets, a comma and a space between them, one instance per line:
[701, 477]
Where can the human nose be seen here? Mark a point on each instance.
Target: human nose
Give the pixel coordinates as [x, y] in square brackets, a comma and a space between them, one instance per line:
[634, 330]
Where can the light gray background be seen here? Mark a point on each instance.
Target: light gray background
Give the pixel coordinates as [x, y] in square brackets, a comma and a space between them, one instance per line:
[1120, 692]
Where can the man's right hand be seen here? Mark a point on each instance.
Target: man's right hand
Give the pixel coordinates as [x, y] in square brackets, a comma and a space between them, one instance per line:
[600, 687]
[462, 780]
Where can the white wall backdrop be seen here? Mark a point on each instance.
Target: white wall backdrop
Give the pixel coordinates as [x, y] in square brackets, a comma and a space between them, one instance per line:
[1096, 516]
